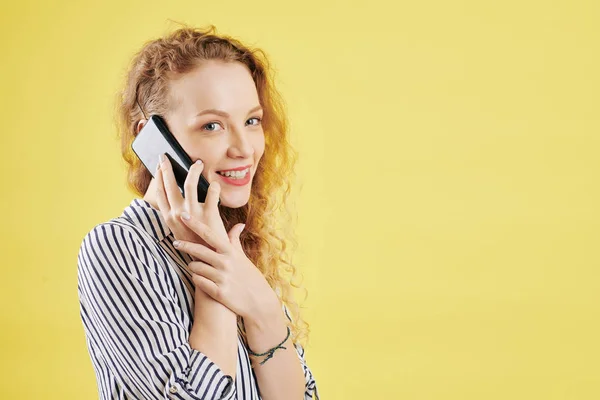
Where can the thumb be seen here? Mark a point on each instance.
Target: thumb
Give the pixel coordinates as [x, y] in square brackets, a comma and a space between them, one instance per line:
[234, 235]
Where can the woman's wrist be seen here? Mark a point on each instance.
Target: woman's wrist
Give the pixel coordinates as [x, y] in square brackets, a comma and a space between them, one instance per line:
[204, 305]
[265, 312]
[264, 320]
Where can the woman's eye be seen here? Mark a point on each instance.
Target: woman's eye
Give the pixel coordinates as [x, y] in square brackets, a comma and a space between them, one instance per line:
[258, 120]
[210, 124]
[214, 123]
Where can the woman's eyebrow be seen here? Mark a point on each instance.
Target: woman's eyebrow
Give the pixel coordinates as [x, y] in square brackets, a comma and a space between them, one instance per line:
[223, 113]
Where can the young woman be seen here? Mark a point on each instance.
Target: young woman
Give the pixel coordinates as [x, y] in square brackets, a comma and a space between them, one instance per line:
[179, 299]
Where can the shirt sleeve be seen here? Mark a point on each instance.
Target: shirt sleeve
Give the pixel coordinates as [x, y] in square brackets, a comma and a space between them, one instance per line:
[310, 388]
[137, 326]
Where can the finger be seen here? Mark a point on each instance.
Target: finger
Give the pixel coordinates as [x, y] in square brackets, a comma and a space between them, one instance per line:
[206, 270]
[190, 186]
[212, 197]
[234, 235]
[220, 244]
[170, 184]
[206, 285]
[200, 251]
[161, 196]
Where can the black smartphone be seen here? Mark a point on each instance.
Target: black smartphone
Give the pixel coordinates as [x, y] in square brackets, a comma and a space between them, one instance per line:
[154, 139]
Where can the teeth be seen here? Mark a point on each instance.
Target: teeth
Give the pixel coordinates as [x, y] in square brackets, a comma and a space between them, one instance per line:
[235, 174]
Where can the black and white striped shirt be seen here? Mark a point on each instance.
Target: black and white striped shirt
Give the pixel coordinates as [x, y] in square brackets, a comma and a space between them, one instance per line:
[136, 302]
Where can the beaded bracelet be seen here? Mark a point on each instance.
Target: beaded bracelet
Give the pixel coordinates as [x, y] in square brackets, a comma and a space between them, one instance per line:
[270, 352]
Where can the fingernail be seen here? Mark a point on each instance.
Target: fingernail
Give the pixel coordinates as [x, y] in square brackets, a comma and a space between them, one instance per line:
[242, 229]
[185, 215]
[198, 161]
[176, 243]
[161, 158]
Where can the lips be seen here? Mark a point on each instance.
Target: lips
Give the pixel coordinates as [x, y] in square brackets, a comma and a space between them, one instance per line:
[234, 181]
[236, 169]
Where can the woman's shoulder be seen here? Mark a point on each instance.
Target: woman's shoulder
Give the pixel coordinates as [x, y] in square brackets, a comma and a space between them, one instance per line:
[116, 231]
[118, 246]
[117, 241]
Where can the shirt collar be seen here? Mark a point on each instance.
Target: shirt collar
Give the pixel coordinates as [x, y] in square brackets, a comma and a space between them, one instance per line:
[143, 215]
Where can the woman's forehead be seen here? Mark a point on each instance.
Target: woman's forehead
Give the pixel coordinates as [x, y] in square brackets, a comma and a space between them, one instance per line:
[227, 87]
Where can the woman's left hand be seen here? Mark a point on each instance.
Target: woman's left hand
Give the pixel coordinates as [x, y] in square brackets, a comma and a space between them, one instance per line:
[227, 275]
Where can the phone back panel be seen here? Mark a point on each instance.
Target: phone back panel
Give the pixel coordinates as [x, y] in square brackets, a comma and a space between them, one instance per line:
[154, 139]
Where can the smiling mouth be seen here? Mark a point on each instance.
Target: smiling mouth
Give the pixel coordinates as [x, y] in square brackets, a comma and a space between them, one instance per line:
[235, 174]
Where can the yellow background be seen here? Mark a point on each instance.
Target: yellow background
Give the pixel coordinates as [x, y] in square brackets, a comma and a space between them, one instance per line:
[448, 210]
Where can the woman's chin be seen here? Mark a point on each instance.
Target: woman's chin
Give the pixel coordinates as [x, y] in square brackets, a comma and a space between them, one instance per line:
[233, 200]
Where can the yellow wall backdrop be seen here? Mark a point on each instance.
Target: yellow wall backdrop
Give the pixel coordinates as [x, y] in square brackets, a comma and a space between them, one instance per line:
[448, 202]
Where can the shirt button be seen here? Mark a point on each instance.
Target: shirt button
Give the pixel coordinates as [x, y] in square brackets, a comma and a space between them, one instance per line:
[173, 389]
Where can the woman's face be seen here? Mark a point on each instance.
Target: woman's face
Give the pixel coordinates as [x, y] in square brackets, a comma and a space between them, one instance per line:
[216, 117]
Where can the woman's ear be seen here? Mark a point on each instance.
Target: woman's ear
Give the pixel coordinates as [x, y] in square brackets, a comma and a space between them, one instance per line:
[140, 125]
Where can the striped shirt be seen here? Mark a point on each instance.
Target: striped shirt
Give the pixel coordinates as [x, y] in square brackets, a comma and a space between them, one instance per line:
[136, 302]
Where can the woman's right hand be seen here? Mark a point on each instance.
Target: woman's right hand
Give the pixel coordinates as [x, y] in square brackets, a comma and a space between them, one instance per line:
[172, 203]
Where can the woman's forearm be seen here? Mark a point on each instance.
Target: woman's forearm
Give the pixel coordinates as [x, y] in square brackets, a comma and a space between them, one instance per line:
[280, 377]
[214, 332]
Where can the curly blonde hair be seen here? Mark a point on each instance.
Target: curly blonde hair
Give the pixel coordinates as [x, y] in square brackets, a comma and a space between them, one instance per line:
[146, 82]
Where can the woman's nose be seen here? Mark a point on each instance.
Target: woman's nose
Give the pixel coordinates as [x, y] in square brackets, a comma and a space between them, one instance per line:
[240, 143]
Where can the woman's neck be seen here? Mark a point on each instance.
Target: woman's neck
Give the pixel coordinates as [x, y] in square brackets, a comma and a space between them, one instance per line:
[150, 195]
